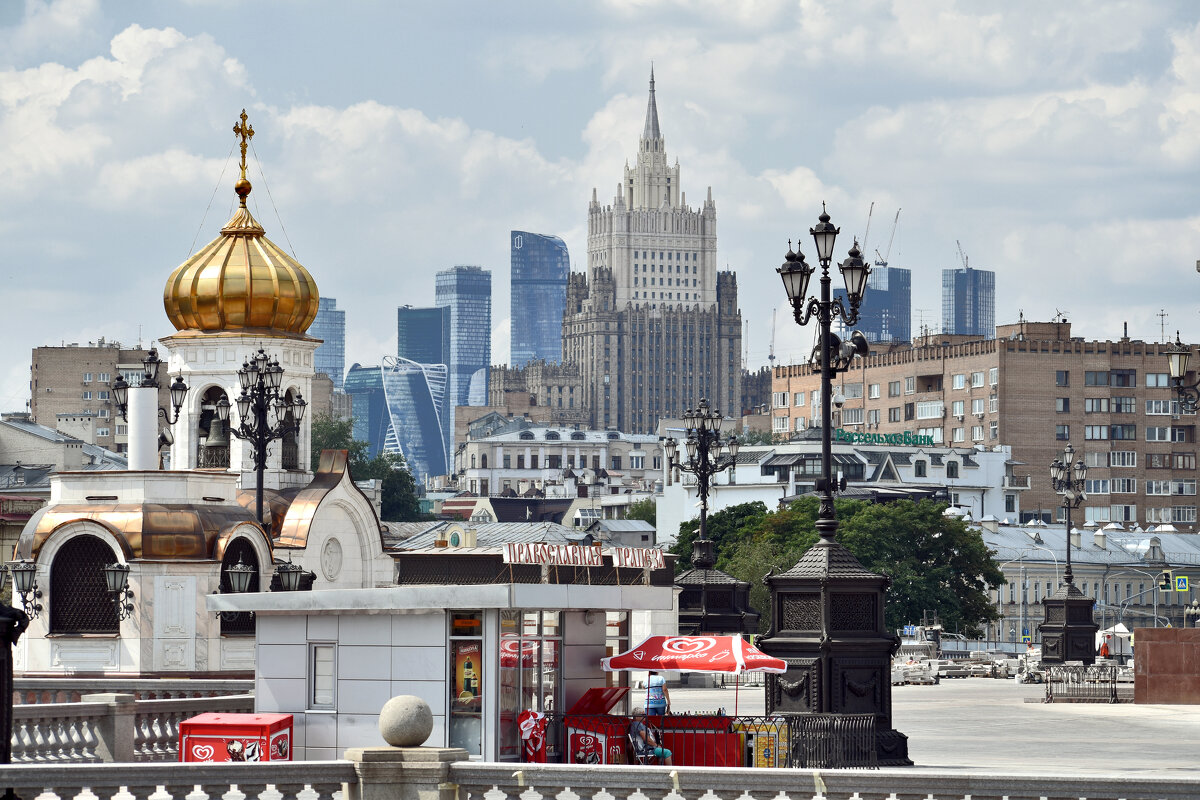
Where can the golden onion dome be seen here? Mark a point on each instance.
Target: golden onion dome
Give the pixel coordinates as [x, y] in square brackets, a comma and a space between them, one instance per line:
[242, 281]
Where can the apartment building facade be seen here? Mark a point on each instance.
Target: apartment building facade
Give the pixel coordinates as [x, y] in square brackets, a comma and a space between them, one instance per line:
[71, 382]
[1034, 388]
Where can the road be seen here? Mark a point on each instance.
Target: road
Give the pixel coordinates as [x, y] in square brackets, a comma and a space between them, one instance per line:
[985, 724]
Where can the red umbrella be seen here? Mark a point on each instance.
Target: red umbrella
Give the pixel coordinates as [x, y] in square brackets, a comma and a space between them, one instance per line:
[729, 654]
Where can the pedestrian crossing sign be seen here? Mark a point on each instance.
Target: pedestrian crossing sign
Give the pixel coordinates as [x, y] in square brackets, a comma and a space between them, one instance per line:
[1181, 583]
[1027, 639]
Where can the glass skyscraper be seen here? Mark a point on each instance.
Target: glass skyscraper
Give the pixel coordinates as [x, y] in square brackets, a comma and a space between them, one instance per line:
[540, 267]
[467, 294]
[371, 421]
[886, 311]
[423, 334]
[330, 327]
[969, 302]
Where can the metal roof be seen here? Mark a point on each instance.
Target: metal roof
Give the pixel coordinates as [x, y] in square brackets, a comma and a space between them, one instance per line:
[496, 534]
[1034, 544]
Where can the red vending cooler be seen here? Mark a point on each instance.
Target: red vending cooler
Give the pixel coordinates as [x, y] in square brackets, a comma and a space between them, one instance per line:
[236, 737]
[593, 735]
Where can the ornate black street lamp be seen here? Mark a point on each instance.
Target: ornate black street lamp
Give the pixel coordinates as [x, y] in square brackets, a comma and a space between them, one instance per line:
[24, 578]
[1068, 633]
[116, 580]
[260, 400]
[1177, 364]
[827, 611]
[13, 622]
[706, 456]
[150, 367]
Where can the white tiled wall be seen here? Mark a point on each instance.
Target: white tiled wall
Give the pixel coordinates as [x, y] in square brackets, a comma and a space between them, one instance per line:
[379, 656]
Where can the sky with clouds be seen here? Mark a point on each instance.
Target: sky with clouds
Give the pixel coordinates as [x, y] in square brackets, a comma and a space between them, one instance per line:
[1058, 142]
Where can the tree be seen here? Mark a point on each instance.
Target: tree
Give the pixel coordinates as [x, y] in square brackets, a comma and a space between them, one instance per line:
[399, 501]
[935, 562]
[725, 528]
[643, 509]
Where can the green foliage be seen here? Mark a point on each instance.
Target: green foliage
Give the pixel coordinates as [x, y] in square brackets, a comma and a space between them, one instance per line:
[760, 437]
[936, 563]
[643, 509]
[399, 491]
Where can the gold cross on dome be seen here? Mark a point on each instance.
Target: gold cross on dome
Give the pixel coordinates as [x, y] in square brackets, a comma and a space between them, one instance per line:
[246, 132]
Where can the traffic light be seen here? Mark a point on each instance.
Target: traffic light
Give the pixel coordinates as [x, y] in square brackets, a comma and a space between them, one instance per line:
[1165, 583]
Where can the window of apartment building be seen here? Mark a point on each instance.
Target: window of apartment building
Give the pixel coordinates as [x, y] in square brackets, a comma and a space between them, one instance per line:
[951, 469]
[852, 416]
[1124, 377]
[977, 405]
[87, 377]
[103, 413]
[1091, 378]
[1124, 513]
[1010, 504]
[977, 433]
[994, 430]
[957, 408]
[873, 416]
[1157, 380]
[1095, 432]
[933, 433]
[533, 461]
[894, 414]
[87, 395]
[520, 461]
[1158, 433]
[779, 424]
[1123, 432]
[1160, 407]
[957, 435]
[1122, 458]
[1158, 460]
[1124, 485]
[615, 462]
[1183, 460]
[893, 388]
[994, 405]
[596, 462]
[797, 423]
[930, 409]
[1096, 486]
[959, 381]
[920, 468]
[1062, 405]
[507, 461]
[910, 411]
[910, 385]
[798, 399]
[779, 399]
[1095, 514]
[1158, 514]
[993, 376]
[103, 395]
[1124, 405]
[1183, 514]
[102, 431]
[1096, 459]
[1185, 486]
[555, 462]
[1154, 488]
[104, 377]
[1181, 433]
[976, 379]
[1062, 432]
[1094, 405]
[873, 391]
[1062, 377]
[122, 430]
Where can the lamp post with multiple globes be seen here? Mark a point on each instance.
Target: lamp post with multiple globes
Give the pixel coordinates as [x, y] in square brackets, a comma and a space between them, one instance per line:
[707, 455]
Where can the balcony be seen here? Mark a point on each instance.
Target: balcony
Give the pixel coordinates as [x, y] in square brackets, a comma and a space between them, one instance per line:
[1018, 482]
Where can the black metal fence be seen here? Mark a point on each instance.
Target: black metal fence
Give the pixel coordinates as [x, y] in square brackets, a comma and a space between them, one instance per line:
[1095, 684]
[803, 740]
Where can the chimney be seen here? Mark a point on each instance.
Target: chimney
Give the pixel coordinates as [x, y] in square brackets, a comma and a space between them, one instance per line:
[1076, 538]
[990, 524]
[1099, 538]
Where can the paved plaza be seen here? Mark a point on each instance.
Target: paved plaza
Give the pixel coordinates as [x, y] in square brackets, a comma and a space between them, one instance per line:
[985, 725]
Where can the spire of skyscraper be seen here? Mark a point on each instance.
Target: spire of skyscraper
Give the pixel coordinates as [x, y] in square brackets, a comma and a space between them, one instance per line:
[652, 130]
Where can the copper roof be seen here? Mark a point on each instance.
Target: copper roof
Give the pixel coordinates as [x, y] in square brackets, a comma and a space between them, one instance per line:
[297, 523]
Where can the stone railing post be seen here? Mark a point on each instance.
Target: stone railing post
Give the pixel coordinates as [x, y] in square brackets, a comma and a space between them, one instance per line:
[404, 770]
[115, 732]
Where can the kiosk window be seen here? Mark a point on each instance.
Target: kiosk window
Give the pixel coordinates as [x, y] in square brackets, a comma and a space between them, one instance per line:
[322, 686]
[530, 674]
[466, 681]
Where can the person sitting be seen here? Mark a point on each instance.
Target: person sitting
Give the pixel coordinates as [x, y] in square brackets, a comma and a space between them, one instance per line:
[645, 742]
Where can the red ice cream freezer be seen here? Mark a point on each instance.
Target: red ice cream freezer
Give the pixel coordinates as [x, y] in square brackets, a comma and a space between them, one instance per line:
[236, 737]
[593, 735]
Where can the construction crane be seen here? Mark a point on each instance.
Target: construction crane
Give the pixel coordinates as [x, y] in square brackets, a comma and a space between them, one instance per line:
[962, 255]
[871, 211]
[883, 259]
[771, 353]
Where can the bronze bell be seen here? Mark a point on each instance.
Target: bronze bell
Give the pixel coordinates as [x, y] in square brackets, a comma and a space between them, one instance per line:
[218, 433]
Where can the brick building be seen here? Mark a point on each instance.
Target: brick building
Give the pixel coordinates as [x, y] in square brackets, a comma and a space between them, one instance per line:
[1034, 387]
[73, 382]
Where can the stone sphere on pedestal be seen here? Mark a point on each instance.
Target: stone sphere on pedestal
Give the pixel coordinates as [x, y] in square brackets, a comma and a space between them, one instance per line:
[405, 721]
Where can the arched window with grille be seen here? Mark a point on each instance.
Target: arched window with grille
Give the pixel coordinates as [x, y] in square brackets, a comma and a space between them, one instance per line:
[79, 599]
[240, 623]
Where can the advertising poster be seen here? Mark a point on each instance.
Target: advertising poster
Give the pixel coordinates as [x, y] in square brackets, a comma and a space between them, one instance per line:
[468, 676]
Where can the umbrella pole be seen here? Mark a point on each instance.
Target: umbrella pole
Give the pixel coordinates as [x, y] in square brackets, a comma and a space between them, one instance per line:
[737, 682]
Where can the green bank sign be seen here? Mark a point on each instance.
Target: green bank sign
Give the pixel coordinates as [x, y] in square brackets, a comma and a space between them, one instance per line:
[906, 439]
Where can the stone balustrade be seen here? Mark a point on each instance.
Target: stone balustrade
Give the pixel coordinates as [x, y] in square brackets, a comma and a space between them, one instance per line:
[71, 690]
[109, 727]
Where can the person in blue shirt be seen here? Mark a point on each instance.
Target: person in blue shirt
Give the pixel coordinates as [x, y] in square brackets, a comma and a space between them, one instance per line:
[658, 699]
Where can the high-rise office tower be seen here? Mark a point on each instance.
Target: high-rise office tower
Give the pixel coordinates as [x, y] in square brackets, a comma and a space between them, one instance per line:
[466, 293]
[399, 408]
[365, 385]
[886, 311]
[653, 326]
[330, 327]
[969, 302]
[540, 268]
[423, 334]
